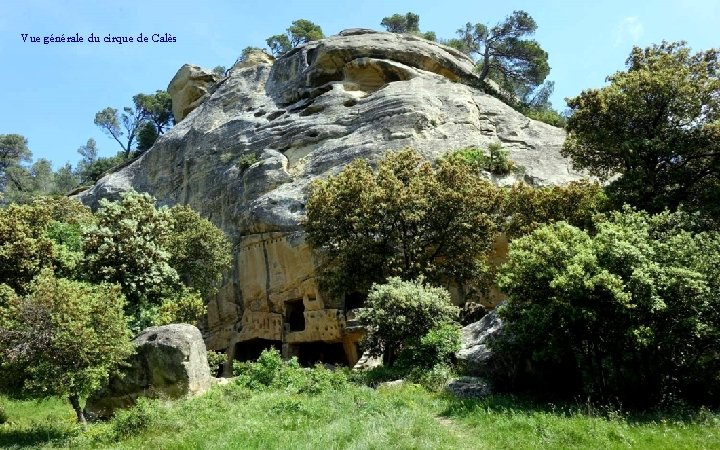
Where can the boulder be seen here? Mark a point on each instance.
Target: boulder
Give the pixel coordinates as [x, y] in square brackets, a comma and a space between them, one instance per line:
[246, 154]
[475, 356]
[170, 362]
[189, 87]
[469, 387]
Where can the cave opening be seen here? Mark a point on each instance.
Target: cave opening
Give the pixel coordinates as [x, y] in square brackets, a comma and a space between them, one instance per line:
[295, 315]
[311, 353]
[355, 300]
[250, 350]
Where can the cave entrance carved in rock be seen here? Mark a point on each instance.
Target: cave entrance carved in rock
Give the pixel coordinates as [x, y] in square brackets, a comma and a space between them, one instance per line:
[250, 350]
[294, 315]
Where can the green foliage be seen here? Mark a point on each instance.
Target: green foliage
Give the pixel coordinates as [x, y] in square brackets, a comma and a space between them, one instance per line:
[246, 161]
[279, 44]
[199, 251]
[630, 312]
[438, 346]
[147, 135]
[300, 32]
[219, 70]
[398, 23]
[183, 306]
[216, 360]
[156, 110]
[546, 115]
[405, 219]
[91, 167]
[270, 371]
[408, 24]
[14, 151]
[263, 372]
[3, 415]
[530, 207]
[136, 419]
[40, 234]
[63, 338]
[433, 379]
[303, 30]
[128, 246]
[518, 65]
[656, 125]
[150, 111]
[399, 314]
[109, 121]
[495, 161]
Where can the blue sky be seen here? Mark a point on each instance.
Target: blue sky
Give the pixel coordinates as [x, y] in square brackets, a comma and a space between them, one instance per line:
[50, 93]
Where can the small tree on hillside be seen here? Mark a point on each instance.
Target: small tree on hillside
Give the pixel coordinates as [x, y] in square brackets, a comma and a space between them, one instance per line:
[518, 65]
[166, 260]
[408, 23]
[200, 251]
[63, 339]
[400, 313]
[301, 31]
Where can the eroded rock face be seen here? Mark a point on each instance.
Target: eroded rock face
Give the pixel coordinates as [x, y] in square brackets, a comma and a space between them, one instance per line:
[170, 362]
[245, 155]
[190, 87]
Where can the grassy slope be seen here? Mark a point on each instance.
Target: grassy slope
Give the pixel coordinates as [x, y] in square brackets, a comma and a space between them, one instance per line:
[355, 418]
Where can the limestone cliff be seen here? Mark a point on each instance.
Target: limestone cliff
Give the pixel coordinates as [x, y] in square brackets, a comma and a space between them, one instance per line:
[249, 145]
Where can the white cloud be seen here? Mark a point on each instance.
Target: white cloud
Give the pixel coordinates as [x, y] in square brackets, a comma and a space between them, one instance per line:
[630, 29]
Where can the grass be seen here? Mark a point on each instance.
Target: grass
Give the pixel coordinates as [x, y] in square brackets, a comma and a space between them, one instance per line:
[350, 416]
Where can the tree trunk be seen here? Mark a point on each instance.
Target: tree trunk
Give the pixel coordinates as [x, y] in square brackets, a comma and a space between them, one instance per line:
[75, 402]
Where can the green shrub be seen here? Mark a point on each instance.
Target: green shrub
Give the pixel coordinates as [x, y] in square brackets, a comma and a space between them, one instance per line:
[438, 346]
[628, 313]
[399, 314]
[261, 373]
[530, 207]
[406, 218]
[434, 379]
[271, 371]
[131, 421]
[548, 116]
[216, 361]
[494, 161]
[185, 306]
[245, 161]
[3, 415]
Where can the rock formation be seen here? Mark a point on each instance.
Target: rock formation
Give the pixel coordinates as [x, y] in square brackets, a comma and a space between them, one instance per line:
[170, 362]
[475, 356]
[244, 154]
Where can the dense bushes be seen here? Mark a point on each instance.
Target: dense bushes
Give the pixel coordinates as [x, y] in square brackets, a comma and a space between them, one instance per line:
[271, 371]
[399, 316]
[629, 313]
[407, 219]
